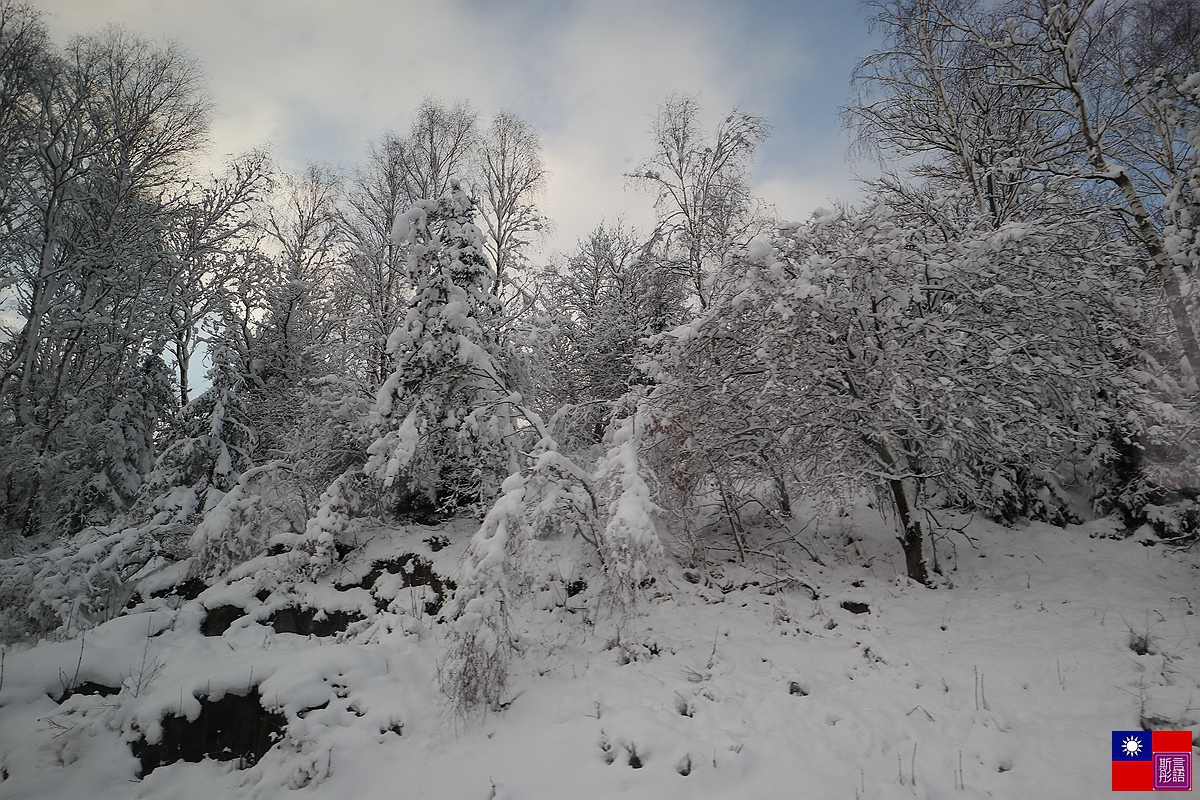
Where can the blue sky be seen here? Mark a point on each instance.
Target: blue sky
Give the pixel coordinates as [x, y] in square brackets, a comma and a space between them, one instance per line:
[319, 80]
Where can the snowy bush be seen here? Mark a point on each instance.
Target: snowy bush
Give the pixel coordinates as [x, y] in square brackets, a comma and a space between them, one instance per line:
[560, 496]
[609, 508]
[217, 444]
[551, 497]
[476, 668]
[629, 546]
[340, 503]
[86, 580]
[330, 438]
[239, 526]
[88, 467]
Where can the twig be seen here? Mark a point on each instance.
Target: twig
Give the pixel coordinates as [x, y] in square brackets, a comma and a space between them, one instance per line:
[980, 692]
[926, 713]
[79, 663]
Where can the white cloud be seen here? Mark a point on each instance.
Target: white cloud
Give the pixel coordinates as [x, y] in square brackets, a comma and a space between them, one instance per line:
[318, 80]
[795, 199]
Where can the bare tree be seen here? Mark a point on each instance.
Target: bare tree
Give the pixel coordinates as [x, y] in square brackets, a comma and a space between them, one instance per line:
[25, 60]
[604, 299]
[302, 225]
[705, 209]
[375, 280]
[936, 93]
[211, 235]
[438, 147]
[512, 177]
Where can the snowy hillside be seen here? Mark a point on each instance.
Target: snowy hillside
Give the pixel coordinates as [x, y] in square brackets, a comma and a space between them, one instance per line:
[782, 677]
[898, 498]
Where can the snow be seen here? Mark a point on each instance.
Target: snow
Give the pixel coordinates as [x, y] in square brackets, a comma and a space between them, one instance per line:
[403, 446]
[759, 250]
[756, 679]
[631, 547]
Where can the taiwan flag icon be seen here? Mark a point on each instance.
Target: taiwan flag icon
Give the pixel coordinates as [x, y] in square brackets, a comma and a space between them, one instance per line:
[1146, 761]
[1132, 761]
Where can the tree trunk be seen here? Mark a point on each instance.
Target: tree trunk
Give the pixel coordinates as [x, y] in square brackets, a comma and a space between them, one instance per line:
[785, 499]
[1144, 228]
[1153, 241]
[183, 362]
[911, 538]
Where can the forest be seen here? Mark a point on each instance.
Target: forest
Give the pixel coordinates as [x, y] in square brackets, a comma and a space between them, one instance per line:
[1006, 328]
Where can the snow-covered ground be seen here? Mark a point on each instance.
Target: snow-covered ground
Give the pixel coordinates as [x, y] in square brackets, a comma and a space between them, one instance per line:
[782, 677]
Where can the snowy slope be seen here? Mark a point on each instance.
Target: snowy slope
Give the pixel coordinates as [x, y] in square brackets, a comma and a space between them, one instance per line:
[732, 682]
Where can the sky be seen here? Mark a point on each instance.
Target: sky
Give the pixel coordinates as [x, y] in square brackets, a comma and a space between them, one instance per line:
[318, 81]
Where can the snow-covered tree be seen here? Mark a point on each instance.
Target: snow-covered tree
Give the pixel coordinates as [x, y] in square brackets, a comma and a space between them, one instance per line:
[1038, 108]
[105, 131]
[1126, 107]
[602, 302]
[443, 417]
[503, 167]
[866, 351]
[1036, 92]
[629, 546]
[215, 446]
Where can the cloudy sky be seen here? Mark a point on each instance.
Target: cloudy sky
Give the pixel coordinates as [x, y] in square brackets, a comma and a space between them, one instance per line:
[319, 79]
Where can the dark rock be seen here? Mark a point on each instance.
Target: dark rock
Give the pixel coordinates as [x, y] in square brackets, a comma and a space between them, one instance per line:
[232, 728]
[87, 687]
[304, 621]
[218, 619]
[417, 571]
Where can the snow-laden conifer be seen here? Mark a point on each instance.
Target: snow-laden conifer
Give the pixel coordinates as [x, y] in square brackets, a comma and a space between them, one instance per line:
[443, 427]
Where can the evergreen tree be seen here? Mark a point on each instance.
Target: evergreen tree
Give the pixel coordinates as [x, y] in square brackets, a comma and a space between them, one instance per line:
[443, 417]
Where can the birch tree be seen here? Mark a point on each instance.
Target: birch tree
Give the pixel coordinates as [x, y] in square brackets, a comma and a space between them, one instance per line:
[1101, 93]
[438, 148]
[701, 186]
[376, 196]
[511, 179]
